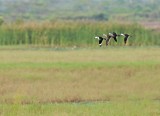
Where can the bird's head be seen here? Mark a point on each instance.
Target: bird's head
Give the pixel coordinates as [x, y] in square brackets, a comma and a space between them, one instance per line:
[122, 34]
[96, 37]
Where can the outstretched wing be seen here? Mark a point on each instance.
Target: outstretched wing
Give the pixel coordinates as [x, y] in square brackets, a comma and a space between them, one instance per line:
[107, 40]
[115, 39]
[100, 41]
[125, 39]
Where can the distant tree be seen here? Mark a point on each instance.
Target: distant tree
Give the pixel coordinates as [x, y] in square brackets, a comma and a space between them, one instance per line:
[19, 21]
[100, 16]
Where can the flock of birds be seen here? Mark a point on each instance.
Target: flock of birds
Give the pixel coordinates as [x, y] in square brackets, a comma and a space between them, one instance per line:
[111, 35]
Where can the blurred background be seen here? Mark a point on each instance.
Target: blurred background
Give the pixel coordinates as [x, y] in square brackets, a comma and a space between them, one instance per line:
[129, 10]
[77, 22]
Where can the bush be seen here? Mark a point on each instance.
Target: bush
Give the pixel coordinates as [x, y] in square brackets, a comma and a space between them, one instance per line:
[1, 20]
[72, 33]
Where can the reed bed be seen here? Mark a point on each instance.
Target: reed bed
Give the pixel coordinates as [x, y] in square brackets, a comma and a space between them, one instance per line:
[72, 33]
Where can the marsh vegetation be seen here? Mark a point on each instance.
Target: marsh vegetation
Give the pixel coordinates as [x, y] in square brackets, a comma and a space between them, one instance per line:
[106, 81]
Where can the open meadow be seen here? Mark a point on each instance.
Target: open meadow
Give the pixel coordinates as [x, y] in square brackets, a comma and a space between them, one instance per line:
[79, 58]
[113, 81]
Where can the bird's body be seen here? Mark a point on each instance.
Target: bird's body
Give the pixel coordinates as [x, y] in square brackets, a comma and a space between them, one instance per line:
[126, 36]
[114, 36]
[100, 40]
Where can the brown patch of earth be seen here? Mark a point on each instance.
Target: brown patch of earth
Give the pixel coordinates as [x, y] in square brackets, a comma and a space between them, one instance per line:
[155, 25]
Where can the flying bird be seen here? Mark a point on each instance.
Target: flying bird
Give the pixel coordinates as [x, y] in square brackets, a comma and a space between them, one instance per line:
[114, 36]
[100, 40]
[126, 36]
[107, 37]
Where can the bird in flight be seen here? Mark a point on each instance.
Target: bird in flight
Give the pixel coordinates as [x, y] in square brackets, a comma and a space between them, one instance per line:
[108, 37]
[114, 35]
[100, 40]
[126, 36]
[105, 37]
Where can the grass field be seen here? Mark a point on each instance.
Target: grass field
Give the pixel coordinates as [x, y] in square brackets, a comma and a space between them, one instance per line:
[113, 81]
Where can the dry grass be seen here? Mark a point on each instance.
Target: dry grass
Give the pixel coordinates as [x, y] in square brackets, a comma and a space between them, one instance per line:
[49, 76]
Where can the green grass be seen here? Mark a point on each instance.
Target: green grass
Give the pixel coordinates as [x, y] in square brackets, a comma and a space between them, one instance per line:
[80, 65]
[69, 33]
[131, 108]
[103, 81]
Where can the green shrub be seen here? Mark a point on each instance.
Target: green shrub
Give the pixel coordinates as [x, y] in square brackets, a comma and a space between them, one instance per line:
[1, 20]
